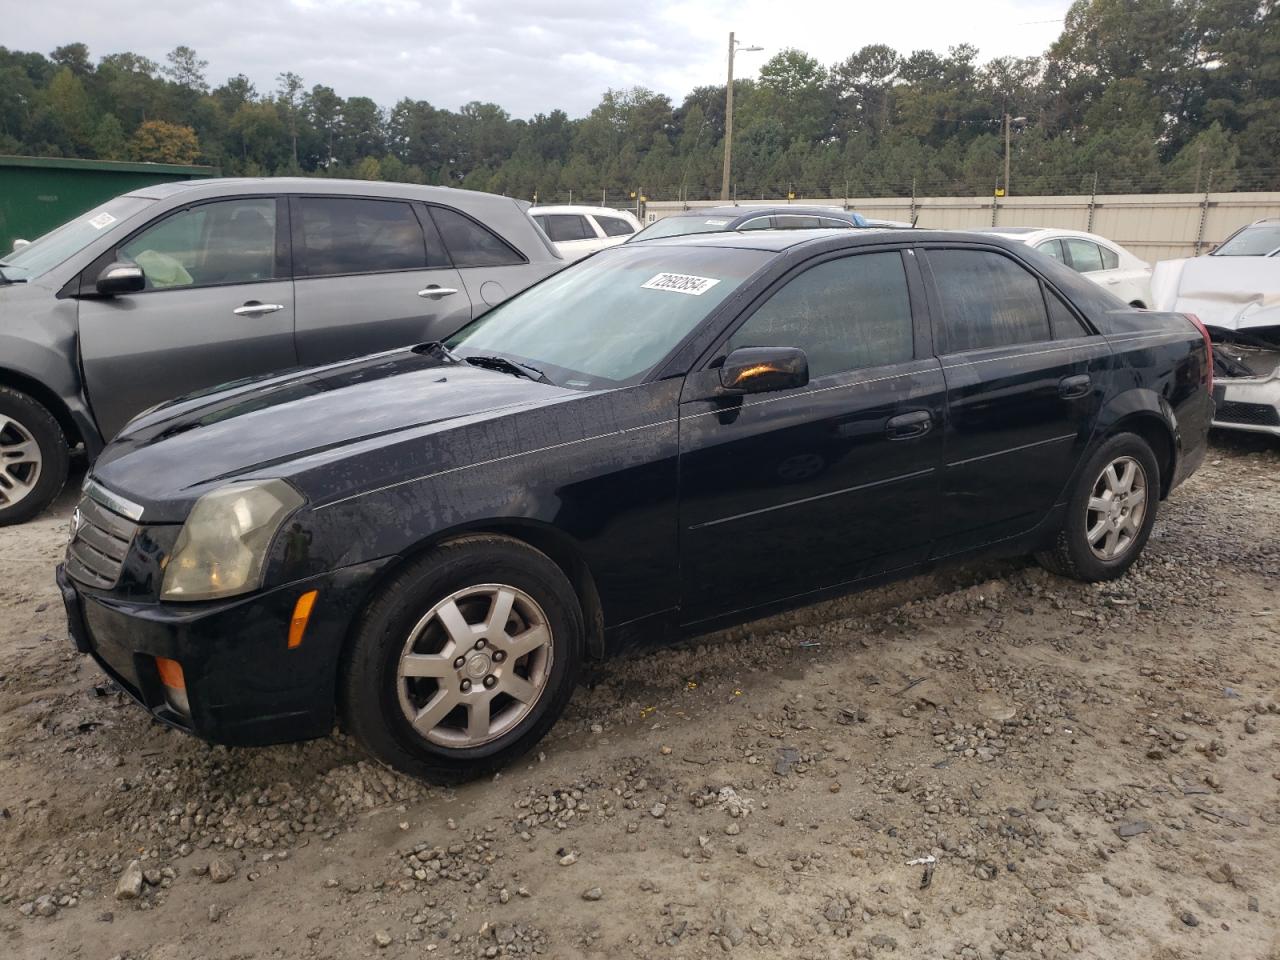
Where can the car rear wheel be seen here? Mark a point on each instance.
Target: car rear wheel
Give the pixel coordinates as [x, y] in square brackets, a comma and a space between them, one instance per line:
[464, 660]
[1110, 513]
[33, 457]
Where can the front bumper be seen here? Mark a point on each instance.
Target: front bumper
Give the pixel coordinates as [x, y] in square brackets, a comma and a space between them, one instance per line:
[244, 685]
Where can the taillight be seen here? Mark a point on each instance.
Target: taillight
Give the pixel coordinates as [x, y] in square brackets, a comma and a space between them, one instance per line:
[1208, 348]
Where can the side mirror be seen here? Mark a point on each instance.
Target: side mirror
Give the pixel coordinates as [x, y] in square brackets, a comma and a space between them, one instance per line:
[763, 369]
[120, 277]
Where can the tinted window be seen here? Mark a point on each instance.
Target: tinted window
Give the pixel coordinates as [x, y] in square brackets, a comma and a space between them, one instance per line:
[615, 226]
[987, 300]
[231, 241]
[566, 226]
[1065, 323]
[792, 222]
[1110, 259]
[1053, 248]
[845, 314]
[471, 245]
[1085, 256]
[342, 235]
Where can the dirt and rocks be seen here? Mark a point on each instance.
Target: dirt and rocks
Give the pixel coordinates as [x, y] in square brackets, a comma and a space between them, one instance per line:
[987, 762]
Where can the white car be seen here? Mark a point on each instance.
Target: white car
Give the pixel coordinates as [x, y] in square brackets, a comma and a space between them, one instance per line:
[577, 231]
[1107, 264]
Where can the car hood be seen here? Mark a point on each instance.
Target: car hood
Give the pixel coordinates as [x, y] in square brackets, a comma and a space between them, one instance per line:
[1232, 293]
[168, 456]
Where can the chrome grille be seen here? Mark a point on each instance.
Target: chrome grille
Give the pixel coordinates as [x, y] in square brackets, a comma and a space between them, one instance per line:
[100, 541]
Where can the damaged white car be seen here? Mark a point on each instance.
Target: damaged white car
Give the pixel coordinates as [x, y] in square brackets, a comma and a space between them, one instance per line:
[1235, 291]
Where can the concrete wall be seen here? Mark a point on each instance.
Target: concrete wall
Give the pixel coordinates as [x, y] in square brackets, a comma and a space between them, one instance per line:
[1152, 226]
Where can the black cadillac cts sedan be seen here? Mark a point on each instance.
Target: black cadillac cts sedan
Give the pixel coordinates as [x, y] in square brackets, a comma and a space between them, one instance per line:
[665, 438]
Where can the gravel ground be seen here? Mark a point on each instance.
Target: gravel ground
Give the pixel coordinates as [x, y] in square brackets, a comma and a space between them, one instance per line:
[1088, 771]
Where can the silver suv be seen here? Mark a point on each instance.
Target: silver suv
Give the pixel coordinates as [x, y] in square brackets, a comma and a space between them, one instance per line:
[179, 287]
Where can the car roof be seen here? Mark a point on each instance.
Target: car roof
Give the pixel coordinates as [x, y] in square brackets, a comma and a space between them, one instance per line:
[776, 241]
[576, 208]
[220, 186]
[763, 210]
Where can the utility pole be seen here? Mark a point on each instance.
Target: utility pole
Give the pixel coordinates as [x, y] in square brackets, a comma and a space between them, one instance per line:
[728, 116]
[1006, 154]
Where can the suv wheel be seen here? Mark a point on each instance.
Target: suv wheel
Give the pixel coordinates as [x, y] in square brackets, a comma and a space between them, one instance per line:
[33, 457]
[464, 660]
[1110, 513]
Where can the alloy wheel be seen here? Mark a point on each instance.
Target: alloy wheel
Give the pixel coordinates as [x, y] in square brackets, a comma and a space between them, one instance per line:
[1116, 509]
[20, 461]
[475, 665]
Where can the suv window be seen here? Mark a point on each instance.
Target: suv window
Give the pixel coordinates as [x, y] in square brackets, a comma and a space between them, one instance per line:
[345, 235]
[791, 221]
[1085, 256]
[988, 300]
[845, 314]
[229, 241]
[615, 226]
[561, 227]
[471, 245]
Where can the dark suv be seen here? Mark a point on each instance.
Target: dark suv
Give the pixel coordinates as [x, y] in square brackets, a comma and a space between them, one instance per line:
[180, 287]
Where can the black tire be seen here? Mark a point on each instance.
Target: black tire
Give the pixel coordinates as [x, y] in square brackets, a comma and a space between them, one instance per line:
[369, 690]
[1071, 554]
[21, 417]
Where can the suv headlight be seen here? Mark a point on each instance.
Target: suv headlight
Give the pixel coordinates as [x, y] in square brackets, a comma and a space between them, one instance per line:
[223, 545]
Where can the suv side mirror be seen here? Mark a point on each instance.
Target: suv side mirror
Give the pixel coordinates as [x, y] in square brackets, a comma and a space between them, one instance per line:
[120, 277]
[763, 369]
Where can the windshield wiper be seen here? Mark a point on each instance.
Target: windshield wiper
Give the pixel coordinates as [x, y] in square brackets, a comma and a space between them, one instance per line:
[507, 365]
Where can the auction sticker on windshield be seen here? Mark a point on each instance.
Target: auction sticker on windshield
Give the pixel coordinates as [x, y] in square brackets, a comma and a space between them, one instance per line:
[680, 283]
[717, 223]
[101, 220]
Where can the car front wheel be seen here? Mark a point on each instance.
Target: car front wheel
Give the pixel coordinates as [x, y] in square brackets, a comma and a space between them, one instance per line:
[1110, 513]
[34, 459]
[464, 660]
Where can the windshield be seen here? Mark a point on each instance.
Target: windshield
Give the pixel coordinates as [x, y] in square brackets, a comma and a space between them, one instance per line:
[682, 226]
[69, 239]
[1258, 240]
[609, 320]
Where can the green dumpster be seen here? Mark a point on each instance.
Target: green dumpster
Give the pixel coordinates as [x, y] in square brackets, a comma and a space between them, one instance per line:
[39, 193]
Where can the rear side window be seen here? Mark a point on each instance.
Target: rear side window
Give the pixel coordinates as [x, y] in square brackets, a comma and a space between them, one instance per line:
[615, 226]
[230, 241]
[792, 222]
[337, 236]
[988, 300]
[471, 245]
[1086, 257]
[844, 314]
[1110, 259]
[1065, 324]
[561, 227]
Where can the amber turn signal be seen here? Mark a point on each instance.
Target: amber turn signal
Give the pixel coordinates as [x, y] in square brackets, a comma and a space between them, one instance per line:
[301, 614]
[171, 673]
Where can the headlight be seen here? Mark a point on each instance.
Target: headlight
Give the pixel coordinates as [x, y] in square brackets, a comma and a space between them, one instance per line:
[223, 545]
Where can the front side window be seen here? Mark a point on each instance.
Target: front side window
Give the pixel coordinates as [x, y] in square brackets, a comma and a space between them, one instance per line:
[756, 223]
[339, 236]
[1085, 256]
[608, 320]
[615, 226]
[471, 245]
[988, 300]
[229, 241]
[845, 314]
[791, 221]
[563, 227]
[833, 224]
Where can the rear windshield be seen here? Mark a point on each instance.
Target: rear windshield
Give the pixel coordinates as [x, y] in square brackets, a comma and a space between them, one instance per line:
[66, 241]
[1259, 240]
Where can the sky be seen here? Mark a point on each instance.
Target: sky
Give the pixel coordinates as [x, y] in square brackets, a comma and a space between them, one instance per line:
[528, 56]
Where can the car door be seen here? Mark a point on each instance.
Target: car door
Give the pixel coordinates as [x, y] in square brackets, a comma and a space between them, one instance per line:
[785, 493]
[490, 267]
[218, 305]
[1023, 393]
[370, 274]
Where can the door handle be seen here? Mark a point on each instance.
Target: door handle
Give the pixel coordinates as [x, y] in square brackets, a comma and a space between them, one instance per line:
[907, 426]
[1072, 388]
[435, 292]
[253, 308]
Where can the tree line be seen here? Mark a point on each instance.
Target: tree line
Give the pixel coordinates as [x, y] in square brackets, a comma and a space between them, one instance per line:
[1143, 95]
